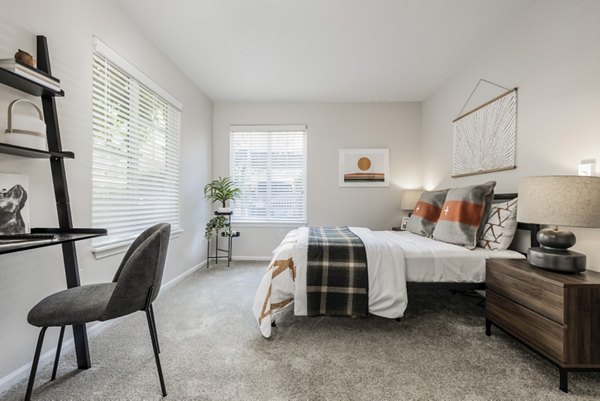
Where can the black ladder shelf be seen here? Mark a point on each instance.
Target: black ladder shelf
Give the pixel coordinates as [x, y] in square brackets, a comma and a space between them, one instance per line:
[65, 234]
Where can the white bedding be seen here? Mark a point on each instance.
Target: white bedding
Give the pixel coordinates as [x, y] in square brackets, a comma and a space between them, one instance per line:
[393, 258]
[430, 261]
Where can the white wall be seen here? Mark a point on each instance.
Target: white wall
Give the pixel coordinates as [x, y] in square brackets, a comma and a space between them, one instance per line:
[332, 126]
[551, 53]
[27, 277]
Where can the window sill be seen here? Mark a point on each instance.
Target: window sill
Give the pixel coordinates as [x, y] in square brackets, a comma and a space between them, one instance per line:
[266, 224]
[104, 251]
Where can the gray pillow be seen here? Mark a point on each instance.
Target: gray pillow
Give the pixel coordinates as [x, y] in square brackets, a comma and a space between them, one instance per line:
[464, 214]
[426, 213]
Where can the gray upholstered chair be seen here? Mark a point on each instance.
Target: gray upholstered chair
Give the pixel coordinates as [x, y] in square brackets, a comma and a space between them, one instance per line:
[134, 288]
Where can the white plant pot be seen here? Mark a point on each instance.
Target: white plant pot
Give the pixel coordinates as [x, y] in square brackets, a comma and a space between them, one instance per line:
[224, 210]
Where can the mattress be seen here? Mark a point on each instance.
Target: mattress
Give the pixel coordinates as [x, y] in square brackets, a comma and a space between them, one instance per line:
[431, 261]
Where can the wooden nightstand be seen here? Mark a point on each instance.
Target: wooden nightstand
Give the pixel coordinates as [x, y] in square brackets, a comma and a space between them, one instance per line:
[557, 315]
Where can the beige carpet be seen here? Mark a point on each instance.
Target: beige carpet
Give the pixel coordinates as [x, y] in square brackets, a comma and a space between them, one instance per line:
[212, 350]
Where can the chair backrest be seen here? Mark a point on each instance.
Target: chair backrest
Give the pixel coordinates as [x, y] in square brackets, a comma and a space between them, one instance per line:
[142, 268]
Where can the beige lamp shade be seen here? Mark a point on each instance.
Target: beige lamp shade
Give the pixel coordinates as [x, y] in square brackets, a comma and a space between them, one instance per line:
[409, 198]
[563, 200]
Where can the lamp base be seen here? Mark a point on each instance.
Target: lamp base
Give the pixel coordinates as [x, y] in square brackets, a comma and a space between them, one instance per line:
[560, 260]
[555, 238]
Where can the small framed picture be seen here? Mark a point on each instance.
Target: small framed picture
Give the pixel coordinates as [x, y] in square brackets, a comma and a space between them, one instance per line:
[364, 168]
[14, 208]
[404, 223]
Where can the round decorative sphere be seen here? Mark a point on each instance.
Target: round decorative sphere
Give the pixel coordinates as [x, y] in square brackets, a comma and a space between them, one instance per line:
[556, 239]
[364, 163]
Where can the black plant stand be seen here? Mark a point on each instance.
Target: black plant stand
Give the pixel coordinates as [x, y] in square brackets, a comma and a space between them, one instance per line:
[219, 252]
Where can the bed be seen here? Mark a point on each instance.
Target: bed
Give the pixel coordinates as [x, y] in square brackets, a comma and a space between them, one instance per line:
[527, 236]
[397, 261]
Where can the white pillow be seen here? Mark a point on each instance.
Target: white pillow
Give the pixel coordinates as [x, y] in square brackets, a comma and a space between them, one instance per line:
[500, 227]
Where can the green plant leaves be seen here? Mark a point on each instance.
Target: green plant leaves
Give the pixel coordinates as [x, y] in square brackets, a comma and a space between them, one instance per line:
[221, 190]
[215, 225]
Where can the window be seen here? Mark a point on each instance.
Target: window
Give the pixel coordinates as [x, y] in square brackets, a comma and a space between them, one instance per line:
[268, 163]
[135, 157]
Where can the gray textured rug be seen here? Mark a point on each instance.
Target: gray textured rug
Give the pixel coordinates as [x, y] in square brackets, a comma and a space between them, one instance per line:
[212, 350]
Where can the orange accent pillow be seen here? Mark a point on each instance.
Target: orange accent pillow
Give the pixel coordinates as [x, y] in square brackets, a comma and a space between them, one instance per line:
[464, 214]
[426, 213]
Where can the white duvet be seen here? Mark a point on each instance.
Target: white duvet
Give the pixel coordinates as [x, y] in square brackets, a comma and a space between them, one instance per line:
[284, 282]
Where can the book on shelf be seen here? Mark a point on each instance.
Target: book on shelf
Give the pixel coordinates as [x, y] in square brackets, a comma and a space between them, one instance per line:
[33, 74]
[35, 71]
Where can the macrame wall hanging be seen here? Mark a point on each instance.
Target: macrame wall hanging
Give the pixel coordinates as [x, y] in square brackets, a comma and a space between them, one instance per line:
[485, 138]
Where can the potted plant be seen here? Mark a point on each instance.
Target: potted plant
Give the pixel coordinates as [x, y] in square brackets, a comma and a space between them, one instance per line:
[215, 225]
[222, 190]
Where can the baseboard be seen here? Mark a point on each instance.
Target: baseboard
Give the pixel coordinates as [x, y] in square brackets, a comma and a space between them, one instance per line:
[182, 276]
[252, 258]
[93, 330]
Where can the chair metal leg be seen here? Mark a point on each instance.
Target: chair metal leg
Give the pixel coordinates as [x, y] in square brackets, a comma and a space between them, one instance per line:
[151, 309]
[57, 357]
[155, 348]
[34, 365]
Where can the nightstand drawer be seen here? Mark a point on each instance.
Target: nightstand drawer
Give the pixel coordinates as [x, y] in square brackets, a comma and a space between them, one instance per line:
[538, 295]
[536, 330]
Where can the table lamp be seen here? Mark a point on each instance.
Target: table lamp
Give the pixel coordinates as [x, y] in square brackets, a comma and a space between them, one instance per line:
[567, 200]
[409, 199]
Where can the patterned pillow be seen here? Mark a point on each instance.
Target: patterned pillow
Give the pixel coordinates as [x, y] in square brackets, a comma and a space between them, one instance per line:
[426, 213]
[463, 214]
[500, 227]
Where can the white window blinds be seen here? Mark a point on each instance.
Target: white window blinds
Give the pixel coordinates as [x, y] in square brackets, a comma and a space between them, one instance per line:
[135, 161]
[268, 163]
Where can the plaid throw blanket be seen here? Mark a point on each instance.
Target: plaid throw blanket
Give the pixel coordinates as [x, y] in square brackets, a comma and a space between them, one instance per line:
[336, 274]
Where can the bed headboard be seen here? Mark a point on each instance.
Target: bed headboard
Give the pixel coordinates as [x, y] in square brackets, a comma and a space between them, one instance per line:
[532, 228]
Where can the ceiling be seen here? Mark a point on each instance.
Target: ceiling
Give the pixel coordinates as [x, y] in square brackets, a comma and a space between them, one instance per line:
[321, 50]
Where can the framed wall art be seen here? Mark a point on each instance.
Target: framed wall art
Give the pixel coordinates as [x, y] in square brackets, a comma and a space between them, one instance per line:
[14, 208]
[485, 137]
[364, 168]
